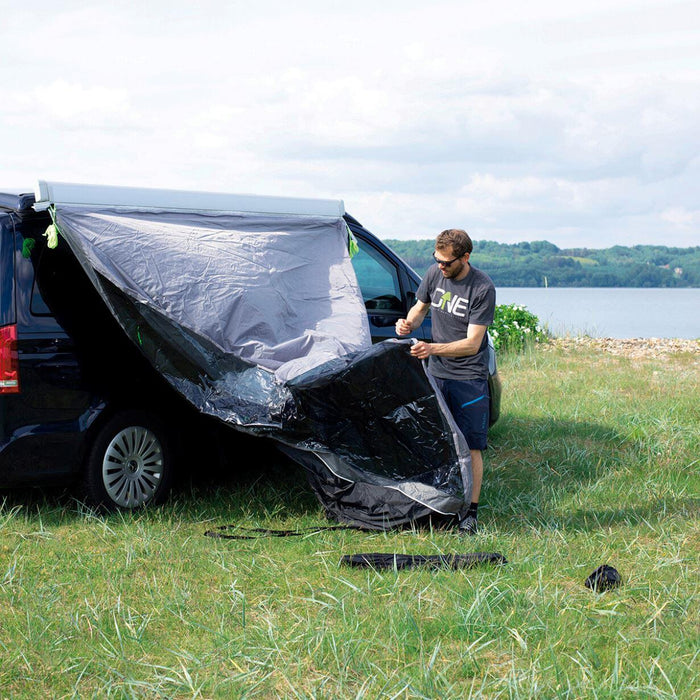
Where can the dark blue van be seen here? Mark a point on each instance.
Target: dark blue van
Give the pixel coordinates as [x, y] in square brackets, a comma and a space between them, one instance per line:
[79, 402]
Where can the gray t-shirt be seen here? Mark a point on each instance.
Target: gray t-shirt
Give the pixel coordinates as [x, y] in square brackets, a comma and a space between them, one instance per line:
[453, 306]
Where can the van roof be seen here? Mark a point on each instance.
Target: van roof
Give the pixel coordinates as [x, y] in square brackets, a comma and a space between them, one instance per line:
[48, 193]
[16, 201]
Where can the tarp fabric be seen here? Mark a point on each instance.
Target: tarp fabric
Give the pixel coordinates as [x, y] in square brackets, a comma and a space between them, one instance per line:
[259, 321]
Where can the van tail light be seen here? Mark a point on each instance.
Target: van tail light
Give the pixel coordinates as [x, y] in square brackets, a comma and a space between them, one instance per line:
[9, 361]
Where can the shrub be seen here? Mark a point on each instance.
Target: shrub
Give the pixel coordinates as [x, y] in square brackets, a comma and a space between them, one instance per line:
[514, 328]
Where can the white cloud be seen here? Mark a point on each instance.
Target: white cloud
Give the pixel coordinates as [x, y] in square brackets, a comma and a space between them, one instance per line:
[545, 120]
[682, 218]
[75, 106]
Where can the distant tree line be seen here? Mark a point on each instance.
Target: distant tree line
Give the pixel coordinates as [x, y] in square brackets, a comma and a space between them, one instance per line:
[540, 264]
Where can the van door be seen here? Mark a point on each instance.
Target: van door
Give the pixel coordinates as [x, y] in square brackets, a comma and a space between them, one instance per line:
[387, 289]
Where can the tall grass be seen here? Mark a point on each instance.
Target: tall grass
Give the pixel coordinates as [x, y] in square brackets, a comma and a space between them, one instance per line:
[594, 460]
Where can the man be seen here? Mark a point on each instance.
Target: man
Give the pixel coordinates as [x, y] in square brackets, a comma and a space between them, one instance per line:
[462, 300]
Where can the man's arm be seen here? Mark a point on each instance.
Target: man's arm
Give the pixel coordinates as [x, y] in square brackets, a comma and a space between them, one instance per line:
[413, 319]
[457, 348]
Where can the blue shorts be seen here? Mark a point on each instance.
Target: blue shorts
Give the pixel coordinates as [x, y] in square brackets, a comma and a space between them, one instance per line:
[468, 401]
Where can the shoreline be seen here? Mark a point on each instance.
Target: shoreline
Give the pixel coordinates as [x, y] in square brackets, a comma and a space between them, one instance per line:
[628, 347]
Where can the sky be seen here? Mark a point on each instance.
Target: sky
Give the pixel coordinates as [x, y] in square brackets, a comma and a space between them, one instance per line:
[575, 123]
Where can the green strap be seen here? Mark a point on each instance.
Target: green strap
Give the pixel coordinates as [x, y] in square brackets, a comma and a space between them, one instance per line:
[353, 248]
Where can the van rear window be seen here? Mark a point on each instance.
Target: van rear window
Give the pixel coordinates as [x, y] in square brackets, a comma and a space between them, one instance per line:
[37, 305]
[33, 313]
[7, 273]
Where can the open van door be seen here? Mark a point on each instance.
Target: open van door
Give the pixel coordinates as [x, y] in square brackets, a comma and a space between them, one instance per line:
[388, 288]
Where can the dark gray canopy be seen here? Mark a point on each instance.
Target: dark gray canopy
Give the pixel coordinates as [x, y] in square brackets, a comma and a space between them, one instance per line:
[258, 319]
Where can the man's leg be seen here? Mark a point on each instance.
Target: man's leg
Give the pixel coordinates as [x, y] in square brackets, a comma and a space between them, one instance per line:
[469, 525]
[473, 419]
[468, 402]
[477, 474]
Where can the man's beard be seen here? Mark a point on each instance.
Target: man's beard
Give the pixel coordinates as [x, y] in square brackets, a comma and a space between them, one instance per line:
[452, 273]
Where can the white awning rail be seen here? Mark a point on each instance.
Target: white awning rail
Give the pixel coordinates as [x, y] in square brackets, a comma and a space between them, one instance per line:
[74, 194]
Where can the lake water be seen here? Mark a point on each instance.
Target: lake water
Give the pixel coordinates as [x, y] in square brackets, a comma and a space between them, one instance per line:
[603, 312]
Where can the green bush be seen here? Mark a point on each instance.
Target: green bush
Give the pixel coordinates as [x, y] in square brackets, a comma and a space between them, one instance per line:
[514, 328]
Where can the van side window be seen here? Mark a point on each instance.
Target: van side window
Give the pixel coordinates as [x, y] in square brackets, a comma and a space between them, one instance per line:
[378, 279]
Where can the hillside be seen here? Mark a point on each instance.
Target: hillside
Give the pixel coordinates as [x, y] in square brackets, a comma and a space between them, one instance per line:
[540, 263]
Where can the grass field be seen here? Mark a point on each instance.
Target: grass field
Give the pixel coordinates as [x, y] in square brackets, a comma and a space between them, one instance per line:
[595, 460]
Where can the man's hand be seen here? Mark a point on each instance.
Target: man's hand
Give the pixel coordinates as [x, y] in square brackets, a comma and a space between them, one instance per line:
[403, 327]
[421, 350]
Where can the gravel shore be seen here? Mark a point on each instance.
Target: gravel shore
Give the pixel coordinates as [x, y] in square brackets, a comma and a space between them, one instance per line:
[629, 347]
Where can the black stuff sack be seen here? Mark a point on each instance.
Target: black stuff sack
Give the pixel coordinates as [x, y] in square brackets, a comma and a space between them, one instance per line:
[603, 578]
[435, 561]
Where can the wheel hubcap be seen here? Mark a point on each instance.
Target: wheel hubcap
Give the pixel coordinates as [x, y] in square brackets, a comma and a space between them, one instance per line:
[132, 468]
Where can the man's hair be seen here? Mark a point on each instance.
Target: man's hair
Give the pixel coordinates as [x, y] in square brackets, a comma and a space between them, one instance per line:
[456, 239]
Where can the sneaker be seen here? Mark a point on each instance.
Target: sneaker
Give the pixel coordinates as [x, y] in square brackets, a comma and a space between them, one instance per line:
[468, 526]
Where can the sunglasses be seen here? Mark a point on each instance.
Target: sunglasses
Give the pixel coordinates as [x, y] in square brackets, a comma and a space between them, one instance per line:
[445, 263]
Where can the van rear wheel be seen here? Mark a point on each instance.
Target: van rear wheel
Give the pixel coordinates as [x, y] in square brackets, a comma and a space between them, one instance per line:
[130, 463]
